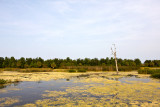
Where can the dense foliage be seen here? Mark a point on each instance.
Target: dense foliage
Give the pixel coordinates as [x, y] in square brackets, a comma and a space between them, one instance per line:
[60, 63]
[156, 75]
[103, 64]
[152, 63]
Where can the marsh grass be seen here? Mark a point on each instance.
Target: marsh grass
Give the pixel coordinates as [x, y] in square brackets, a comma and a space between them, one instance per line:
[103, 68]
[82, 70]
[155, 72]
[35, 70]
[148, 71]
[11, 69]
[2, 81]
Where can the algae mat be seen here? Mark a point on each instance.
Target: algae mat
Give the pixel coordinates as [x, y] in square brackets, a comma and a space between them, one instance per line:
[97, 90]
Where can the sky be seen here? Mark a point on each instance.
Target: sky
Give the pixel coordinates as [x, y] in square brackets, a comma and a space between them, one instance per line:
[80, 28]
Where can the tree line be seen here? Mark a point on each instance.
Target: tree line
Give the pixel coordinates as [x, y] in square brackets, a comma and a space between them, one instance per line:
[60, 63]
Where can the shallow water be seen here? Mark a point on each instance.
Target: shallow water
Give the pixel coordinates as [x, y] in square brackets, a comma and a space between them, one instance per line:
[81, 91]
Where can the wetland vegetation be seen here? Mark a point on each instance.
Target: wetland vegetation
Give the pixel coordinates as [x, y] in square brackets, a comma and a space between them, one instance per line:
[80, 89]
[81, 82]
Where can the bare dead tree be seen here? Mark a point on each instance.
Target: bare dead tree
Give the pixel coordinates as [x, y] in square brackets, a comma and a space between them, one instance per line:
[114, 54]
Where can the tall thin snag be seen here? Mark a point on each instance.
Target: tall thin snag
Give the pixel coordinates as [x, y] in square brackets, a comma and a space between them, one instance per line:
[114, 54]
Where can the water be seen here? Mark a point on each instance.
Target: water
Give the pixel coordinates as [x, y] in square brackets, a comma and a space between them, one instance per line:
[29, 92]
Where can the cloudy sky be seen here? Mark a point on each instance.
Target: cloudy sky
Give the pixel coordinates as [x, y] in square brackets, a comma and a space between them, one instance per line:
[80, 28]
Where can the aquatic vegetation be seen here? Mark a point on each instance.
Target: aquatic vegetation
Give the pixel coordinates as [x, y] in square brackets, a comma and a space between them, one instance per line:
[37, 76]
[46, 76]
[97, 91]
[10, 89]
[7, 101]
[2, 81]
[92, 89]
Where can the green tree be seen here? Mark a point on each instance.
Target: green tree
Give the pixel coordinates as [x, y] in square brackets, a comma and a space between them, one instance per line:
[53, 65]
[21, 62]
[13, 62]
[6, 62]
[39, 64]
[1, 62]
[28, 61]
[138, 62]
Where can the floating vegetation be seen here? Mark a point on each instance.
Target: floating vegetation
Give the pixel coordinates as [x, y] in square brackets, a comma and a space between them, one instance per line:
[8, 101]
[97, 91]
[10, 89]
[87, 89]
[46, 76]
[37, 76]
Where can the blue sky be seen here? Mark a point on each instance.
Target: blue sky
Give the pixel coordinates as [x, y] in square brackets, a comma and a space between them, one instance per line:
[80, 28]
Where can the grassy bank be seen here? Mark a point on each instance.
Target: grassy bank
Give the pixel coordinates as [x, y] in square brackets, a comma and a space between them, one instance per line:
[76, 68]
[103, 68]
[35, 70]
[27, 69]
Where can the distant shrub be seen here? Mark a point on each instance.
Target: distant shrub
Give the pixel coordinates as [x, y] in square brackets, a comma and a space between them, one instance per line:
[156, 75]
[81, 70]
[148, 71]
[2, 81]
[72, 70]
